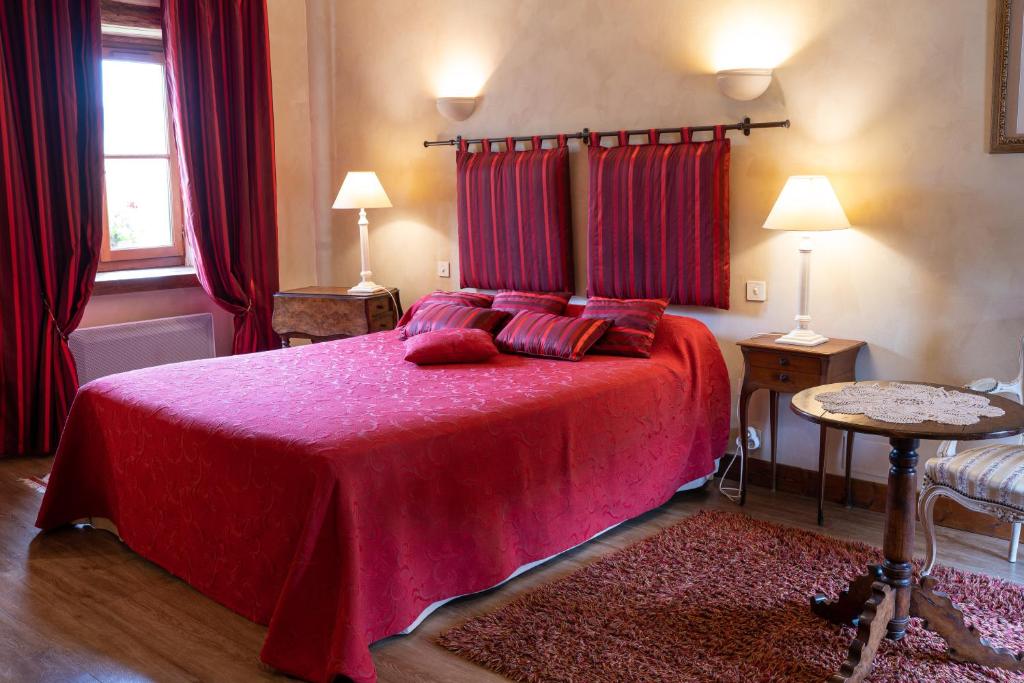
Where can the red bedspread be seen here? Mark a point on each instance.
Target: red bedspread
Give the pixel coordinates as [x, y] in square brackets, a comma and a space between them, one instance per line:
[334, 491]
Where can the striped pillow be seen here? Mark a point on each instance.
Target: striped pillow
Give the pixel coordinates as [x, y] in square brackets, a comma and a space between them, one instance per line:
[535, 302]
[633, 323]
[550, 336]
[439, 297]
[444, 316]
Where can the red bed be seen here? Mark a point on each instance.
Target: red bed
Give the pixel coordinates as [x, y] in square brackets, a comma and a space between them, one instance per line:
[335, 491]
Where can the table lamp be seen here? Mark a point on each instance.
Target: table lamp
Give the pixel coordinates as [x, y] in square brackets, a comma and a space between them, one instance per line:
[361, 190]
[806, 203]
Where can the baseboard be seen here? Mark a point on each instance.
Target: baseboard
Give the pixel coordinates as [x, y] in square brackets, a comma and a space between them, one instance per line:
[866, 494]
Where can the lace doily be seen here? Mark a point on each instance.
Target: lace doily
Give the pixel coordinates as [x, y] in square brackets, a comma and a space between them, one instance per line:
[908, 403]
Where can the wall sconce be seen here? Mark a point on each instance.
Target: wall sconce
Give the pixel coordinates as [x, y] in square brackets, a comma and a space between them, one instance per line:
[744, 84]
[456, 108]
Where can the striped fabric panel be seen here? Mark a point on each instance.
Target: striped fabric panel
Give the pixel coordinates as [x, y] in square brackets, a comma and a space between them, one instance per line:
[634, 322]
[443, 316]
[537, 302]
[989, 473]
[550, 336]
[659, 222]
[514, 219]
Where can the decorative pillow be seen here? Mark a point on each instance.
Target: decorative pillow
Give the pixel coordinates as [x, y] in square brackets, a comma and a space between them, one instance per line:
[633, 323]
[550, 336]
[462, 298]
[439, 297]
[535, 302]
[441, 316]
[450, 345]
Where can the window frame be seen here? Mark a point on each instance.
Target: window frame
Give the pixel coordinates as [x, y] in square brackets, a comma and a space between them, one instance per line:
[118, 47]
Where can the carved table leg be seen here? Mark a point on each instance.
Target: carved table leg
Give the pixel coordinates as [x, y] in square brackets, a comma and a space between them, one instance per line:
[965, 645]
[871, 628]
[898, 544]
[887, 610]
[845, 610]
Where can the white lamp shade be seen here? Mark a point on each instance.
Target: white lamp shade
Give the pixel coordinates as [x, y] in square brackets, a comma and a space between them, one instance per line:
[361, 190]
[807, 202]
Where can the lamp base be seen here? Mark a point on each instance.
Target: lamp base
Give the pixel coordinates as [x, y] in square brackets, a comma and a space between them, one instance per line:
[802, 337]
[366, 287]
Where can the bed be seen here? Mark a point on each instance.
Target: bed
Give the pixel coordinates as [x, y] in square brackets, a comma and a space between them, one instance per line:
[335, 492]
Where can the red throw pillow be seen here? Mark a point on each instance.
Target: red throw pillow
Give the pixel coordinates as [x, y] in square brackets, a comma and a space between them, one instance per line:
[462, 298]
[451, 345]
[633, 323]
[439, 297]
[536, 302]
[550, 336]
[441, 316]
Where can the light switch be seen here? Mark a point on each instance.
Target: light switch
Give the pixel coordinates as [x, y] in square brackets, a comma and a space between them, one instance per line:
[757, 290]
[444, 269]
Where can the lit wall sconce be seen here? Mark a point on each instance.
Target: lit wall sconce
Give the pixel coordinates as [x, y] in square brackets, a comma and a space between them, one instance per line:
[744, 84]
[456, 108]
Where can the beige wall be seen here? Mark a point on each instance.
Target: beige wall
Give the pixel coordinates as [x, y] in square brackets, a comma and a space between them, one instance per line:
[887, 98]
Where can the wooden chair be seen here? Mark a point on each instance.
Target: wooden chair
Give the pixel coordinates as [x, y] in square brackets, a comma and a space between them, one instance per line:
[988, 479]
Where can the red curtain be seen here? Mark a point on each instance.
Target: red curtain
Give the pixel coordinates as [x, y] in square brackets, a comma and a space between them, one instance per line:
[218, 75]
[51, 166]
[515, 228]
[659, 220]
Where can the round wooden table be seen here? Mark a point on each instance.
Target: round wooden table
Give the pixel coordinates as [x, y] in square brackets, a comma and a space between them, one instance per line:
[881, 602]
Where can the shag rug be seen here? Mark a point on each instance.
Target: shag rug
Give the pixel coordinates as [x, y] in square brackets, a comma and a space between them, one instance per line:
[721, 597]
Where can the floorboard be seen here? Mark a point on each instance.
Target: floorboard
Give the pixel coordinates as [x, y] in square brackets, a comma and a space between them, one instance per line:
[77, 605]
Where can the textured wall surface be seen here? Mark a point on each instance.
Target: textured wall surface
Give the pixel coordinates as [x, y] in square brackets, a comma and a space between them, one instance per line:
[890, 100]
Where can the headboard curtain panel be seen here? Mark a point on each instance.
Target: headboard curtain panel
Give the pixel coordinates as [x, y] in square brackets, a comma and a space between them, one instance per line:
[514, 217]
[659, 220]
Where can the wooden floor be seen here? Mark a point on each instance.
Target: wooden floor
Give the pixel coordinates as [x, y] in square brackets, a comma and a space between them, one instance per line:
[77, 605]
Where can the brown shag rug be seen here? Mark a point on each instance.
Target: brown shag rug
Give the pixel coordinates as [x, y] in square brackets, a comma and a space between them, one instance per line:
[721, 597]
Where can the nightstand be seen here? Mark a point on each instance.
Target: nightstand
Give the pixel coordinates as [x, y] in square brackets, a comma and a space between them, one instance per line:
[788, 369]
[326, 313]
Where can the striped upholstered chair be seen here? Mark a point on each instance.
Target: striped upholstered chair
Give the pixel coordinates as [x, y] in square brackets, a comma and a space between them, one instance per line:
[988, 479]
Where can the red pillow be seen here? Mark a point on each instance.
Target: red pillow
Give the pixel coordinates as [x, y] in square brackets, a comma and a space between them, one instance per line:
[441, 316]
[633, 323]
[439, 297]
[550, 336]
[537, 302]
[462, 298]
[451, 345]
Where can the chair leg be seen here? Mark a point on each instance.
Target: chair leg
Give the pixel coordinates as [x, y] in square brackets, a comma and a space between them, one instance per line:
[1014, 541]
[925, 509]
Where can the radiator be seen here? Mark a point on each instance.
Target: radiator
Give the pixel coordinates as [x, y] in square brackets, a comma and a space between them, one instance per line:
[108, 349]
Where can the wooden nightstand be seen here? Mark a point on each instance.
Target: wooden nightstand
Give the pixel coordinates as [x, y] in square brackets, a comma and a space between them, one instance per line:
[326, 313]
[788, 369]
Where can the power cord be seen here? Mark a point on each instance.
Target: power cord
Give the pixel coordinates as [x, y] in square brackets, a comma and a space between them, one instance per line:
[733, 493]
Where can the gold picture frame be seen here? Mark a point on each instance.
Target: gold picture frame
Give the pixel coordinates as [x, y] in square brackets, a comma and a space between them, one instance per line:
[1008, 78]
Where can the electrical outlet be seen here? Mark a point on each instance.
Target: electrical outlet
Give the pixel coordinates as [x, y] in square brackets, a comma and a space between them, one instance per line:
[444, 269]
[753, 438]
[757, 290]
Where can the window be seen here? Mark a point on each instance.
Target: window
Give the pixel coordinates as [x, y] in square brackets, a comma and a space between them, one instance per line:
[142, 225]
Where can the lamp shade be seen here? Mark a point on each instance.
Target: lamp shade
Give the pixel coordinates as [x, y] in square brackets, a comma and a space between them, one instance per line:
[361, 190]
[807, 202]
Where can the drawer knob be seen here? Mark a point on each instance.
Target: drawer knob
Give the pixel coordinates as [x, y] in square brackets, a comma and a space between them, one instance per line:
[783, 361]
[783, 377]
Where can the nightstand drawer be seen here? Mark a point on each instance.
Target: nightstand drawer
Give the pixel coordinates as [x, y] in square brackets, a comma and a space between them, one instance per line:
[790, 362]
[784, 380]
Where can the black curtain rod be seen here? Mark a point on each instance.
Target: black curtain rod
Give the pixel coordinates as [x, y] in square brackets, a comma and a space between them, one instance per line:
[745, 125]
